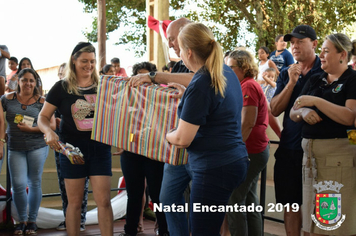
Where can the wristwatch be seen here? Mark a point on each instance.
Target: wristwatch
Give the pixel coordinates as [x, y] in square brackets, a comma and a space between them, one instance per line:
[2, 140]
[152, 76]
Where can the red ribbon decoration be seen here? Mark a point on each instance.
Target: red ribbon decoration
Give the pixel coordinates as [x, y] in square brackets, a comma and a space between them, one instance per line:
[152, 23]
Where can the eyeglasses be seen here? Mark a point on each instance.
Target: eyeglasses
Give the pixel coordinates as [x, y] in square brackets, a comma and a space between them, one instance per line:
[232, 67]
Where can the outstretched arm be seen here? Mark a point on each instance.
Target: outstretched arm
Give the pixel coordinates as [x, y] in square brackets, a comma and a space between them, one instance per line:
[162, 78]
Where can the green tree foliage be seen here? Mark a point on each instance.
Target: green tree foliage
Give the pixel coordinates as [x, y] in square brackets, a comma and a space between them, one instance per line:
[268, 18]
[231, 20]
[129, 13]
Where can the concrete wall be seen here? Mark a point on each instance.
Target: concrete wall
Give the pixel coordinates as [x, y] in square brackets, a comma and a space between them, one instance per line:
[49, 77]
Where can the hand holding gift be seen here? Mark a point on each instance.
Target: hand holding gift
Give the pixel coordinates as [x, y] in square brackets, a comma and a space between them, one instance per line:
[74, 155]
[139, 119]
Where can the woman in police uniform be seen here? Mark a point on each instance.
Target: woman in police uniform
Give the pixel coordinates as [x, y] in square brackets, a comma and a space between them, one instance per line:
[327, 107]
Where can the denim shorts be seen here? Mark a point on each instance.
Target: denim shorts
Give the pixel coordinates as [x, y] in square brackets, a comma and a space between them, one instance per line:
[97, 157]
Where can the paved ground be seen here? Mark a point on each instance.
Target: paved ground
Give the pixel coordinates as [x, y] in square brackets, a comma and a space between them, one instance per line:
[271, 229]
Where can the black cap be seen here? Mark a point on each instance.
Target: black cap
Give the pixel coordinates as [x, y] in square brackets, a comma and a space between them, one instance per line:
[301, 32]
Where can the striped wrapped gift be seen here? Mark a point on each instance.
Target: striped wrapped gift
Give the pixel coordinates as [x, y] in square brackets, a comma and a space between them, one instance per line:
[137, 119]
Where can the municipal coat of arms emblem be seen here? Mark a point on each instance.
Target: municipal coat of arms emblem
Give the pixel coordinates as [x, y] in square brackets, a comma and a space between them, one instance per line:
[337, 88]
[328, 206]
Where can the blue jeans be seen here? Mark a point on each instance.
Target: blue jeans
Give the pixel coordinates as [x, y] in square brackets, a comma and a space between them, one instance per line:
[250, 223]
[3, 157]
[26, 168]
[175, 181]
[213, 187]
[1, 161]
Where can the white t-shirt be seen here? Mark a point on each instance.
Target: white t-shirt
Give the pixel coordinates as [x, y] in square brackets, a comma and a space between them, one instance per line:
[261, 69]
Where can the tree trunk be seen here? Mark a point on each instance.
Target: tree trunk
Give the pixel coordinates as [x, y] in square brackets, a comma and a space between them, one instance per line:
[261, 35]
[101, 33]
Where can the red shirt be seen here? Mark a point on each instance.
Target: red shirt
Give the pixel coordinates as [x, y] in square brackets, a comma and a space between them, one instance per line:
[253, 96]
[121, 72]
[9, 76]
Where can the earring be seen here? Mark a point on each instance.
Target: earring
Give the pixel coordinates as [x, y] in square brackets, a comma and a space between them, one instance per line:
[341, 61]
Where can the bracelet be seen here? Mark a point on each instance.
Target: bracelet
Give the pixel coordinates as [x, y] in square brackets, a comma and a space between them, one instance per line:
[298, 116]
[2, 140]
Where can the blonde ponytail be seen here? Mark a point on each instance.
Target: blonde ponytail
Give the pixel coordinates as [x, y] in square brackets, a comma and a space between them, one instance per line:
[200, 39]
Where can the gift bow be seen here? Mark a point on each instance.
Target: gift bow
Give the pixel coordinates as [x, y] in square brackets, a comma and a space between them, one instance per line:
[160, 27]
[154, 24]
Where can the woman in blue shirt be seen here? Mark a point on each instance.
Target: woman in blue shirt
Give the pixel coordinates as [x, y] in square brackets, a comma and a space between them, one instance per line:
[210, 128]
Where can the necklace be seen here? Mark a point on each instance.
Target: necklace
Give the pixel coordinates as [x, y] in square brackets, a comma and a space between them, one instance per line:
[280, 50]
[85, 84]
[87, 88]
[24, 105]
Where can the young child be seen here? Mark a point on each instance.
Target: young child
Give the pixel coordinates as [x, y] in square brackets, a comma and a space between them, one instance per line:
[265, 63]
[269, 87]
[168, 67]
[353, 60]
[13, 63]
[108, 69]
[115, 62]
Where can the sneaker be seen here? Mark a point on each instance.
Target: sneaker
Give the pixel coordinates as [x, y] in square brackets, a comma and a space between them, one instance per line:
[82, 227]
[61, 226]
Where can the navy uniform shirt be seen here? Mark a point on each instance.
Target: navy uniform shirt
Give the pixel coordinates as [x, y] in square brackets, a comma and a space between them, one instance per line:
[179, 67]
[292, 132]
[218, 141]
[337, 92]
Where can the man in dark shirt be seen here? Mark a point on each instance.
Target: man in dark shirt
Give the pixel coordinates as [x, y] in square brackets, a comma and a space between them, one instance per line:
[289, 155]
[175, 178]
[180, 73]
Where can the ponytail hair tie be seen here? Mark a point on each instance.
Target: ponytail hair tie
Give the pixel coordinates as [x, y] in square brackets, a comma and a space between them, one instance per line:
[212, 41]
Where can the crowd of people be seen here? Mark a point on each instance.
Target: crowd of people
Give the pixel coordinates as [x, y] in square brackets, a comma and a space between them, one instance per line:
[226, 103]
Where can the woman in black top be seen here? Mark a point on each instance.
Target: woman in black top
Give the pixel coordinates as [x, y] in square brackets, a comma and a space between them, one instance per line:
[327, 107]
[74, 97]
